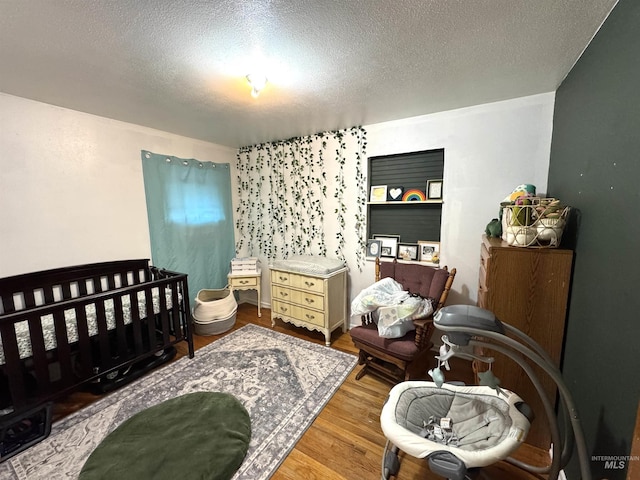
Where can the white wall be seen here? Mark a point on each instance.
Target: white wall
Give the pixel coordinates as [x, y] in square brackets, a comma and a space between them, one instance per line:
[488, 151]
[71, 186]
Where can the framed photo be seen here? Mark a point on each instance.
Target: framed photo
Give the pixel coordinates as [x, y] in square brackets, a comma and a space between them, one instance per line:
[434, 189]
[428, 251]
[394, 194]
[378, 193]
[389, 245]
[374, 248]
[408, 251]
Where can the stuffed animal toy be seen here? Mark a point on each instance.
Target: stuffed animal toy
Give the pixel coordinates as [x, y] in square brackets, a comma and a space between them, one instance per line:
[494, 228]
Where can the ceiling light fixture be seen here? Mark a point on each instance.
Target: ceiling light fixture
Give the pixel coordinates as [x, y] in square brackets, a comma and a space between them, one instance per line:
[257, 82]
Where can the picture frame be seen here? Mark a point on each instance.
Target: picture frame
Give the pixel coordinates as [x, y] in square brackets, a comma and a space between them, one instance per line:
[378, 193]
[394, 193]
[428, 250]
[434, 189]
[374, 248]
[389, 244]
[407, 251]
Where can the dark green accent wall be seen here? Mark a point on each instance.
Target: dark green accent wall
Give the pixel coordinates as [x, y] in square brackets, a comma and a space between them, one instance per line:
[595, 167]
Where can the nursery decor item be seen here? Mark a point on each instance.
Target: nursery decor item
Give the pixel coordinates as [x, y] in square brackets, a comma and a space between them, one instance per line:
[374, 248]
[429, 251]
[413, 195]
[378, 193]
[282, 381]
[408, 251]
[494, 228]
[394, 194]
[434, 189]
[389, 247]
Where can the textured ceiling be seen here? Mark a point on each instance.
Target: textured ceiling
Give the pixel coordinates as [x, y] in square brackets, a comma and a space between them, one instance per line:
[180, 65]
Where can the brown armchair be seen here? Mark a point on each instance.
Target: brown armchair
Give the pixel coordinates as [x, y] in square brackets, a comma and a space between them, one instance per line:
[408, 357]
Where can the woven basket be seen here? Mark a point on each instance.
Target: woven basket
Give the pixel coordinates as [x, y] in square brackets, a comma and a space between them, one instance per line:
[212, 304]
[538, 224]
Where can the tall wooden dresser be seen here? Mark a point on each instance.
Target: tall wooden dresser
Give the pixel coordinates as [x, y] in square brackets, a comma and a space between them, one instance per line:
[527, 288]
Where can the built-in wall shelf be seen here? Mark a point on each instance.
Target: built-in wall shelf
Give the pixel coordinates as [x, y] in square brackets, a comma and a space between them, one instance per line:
[412, 220]
[414, 202]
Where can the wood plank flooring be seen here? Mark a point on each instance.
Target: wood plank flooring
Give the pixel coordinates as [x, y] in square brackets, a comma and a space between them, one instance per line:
[345, 441]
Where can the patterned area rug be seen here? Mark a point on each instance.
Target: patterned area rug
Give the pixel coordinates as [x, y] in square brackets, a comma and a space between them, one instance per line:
[282, 381]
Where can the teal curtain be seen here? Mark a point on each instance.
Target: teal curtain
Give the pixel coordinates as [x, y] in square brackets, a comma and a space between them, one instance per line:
[190, 218]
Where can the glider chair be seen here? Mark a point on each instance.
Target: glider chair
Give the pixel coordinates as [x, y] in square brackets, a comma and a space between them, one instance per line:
[408, 357]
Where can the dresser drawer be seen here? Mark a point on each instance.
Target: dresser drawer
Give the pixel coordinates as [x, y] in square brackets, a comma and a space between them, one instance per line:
[485, 257]
[286, 294]
[482, 298]
[309, 283]
[282, 278]
[482, 278]
[285, 309]
[311, 300]
[243, 281]
[312, 316]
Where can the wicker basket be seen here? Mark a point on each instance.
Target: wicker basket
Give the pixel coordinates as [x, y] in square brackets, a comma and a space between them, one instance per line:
[539, 223]
[214, 311]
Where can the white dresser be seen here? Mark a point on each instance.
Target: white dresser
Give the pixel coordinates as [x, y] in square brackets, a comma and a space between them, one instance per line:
[314, 301]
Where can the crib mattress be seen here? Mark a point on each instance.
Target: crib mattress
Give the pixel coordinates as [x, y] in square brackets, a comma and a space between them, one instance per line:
[309, 264]
[48, 328]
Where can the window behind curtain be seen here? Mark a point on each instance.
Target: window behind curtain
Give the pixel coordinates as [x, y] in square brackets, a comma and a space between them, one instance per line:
[190, 218]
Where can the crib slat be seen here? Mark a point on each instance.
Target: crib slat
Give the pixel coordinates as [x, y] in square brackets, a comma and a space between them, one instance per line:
[39, 354]
[63, 348]
[111, 282]
[47, 291]
[8, 303]
[12, 364]
[97, 284]
[29, 299]
[164, 314]
[120, 327]
[86, 363]
[103, 336]
[82, 287]
[150, 316]
[135, 323]
[66, 290]
[175, 313]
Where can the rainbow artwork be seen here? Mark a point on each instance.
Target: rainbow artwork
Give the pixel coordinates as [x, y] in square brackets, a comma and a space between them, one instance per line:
[413, 195]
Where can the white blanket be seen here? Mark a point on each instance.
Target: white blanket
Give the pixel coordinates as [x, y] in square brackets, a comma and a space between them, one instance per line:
[392, 307]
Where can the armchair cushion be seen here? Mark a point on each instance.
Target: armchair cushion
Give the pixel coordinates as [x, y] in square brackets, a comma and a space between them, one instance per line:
[404, 348]
[427, 282]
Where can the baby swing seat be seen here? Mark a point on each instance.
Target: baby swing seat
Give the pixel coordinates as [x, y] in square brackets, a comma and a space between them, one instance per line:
[455, 427]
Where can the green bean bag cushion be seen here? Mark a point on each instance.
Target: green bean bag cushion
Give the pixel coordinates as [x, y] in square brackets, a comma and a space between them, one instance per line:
[203, 435]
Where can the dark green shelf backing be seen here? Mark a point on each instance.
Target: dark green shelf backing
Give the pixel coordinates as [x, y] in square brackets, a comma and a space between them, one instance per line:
[408, 170]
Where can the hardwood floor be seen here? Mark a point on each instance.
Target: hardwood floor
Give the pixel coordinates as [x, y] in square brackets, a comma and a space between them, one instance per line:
[345, 441]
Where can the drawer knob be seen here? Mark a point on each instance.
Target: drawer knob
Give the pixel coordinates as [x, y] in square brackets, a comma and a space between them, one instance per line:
[244, 282]
[310, 317]
[309, 284]
[309, 300]
[282, 279]
[283, 309]
[284, 294]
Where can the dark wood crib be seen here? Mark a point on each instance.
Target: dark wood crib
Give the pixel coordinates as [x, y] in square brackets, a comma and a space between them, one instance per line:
[97, 325]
